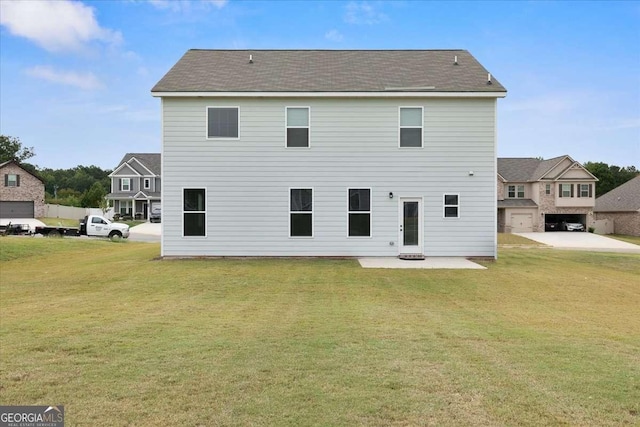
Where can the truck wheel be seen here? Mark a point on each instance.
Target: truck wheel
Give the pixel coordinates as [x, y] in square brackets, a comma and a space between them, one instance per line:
[115, 235]
[54, 234]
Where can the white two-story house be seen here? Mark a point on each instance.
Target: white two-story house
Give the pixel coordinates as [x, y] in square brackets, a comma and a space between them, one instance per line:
[541, 195]
[329, 153]
[136, 185]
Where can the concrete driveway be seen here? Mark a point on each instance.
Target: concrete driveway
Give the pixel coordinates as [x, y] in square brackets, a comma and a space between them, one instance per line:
[147, 232]
[581, 241]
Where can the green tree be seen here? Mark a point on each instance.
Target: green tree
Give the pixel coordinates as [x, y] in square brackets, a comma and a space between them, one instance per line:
[609, 177]
[93, 196]
[11, 149]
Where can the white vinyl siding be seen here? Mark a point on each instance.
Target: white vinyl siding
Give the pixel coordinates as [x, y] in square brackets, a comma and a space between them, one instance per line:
[354, 145]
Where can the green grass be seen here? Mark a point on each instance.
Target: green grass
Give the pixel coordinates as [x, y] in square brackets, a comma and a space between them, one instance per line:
[508, 239]
[629, 239]
[542, 337]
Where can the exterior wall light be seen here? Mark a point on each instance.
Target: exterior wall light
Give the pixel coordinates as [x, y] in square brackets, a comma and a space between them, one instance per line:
[390, 194]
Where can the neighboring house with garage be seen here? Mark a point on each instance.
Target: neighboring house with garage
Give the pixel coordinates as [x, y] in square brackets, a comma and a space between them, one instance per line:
[21, 192]
[622, 207]
[536, 194]
[328, 153]
[136, 185]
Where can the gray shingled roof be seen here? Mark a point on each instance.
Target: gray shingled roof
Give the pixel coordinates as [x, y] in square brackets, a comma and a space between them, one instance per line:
[625, 198]
[525, 169]
[516, 203]
[327, 71]
[151, 161]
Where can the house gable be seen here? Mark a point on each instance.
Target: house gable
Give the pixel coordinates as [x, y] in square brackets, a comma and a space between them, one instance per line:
[139, 167]
[125, 170]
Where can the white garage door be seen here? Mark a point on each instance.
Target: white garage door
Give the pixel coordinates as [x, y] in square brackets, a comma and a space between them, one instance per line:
[522, 223]
[16, 210]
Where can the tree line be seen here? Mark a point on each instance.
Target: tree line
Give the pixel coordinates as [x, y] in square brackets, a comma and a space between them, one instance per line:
[86, 186]
[81, 186]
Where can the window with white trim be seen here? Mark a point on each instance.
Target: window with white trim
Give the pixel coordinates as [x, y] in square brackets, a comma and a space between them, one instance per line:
[194, 212]
[547, 189]
[11, 180]
[147, 183]
[301, 212]
[515, 191]
[566, 190]
[298, 126]
[125, 184]
[126, 207]
[411, 122]
[359, 212]
[585, 190]
[223, 122]
[451, 205]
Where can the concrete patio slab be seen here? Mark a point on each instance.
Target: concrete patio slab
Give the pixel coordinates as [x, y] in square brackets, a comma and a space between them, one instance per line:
[453, 263]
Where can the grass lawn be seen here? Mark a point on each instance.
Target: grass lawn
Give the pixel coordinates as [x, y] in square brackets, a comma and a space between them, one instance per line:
[509, 239]
[630, 239]
[542, 337]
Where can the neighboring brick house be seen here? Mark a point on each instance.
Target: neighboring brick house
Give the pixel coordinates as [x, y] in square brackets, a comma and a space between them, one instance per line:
[21, 192]
[622, 206]
[534, 192]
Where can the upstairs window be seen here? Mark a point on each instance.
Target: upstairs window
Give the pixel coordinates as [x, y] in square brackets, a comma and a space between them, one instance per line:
[547, 189]
[515, 191]
[411, 119]
[298, 127]
[359, 212]
[125, 184]
[147, 183]
[301, 212]
[451, 206]
[585, 190]
[11, 180]
[566, 190]
[222, 122]
[193, 212]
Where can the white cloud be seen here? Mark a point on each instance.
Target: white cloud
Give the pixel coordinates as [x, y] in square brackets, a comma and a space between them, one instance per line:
[56, 26]
[363, 13]
[334, 36]
[86, 81]
[186, 5]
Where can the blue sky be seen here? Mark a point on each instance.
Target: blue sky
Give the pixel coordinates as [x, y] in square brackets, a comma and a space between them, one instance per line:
[75, 77]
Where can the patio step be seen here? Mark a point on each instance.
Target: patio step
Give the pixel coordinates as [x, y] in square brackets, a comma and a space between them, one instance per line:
[416, 257]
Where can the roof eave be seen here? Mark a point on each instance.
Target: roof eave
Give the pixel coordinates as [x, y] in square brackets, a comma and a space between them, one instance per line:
[385, 94]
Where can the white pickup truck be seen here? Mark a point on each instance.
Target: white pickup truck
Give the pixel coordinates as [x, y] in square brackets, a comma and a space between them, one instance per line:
[91, 225]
